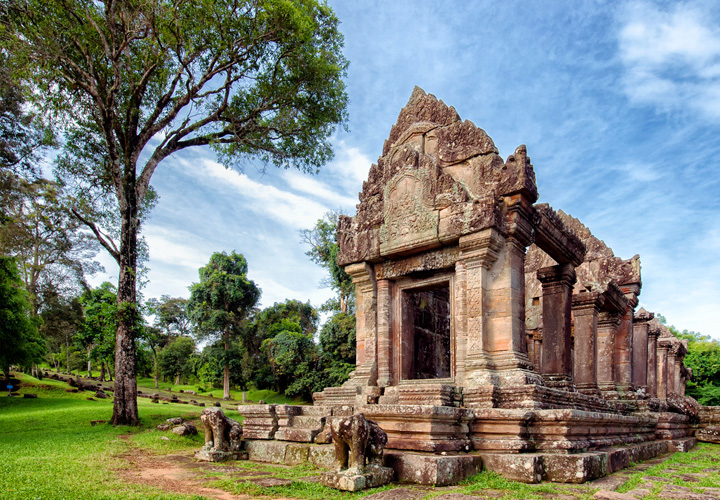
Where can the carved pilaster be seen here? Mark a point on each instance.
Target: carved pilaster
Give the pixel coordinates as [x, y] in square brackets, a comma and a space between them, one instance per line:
[652, 361]
[557, 282]
[624, 341]
[384, 322]
[663, 347]
[608, 322]
[365, 323]
[586, 307]
[494, 268]
[640, 348]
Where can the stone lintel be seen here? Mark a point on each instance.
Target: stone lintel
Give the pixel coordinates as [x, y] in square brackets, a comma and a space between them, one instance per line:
[631, 292]
[615, 300]
[555, 239]
[519, 218]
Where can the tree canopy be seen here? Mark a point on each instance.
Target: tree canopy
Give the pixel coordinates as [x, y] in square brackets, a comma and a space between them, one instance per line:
[222, 300]
[130, 83]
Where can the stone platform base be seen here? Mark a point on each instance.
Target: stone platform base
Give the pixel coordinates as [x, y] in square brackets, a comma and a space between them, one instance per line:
[220, 456]
[431, 469]
[374, 476]
[578, 467]
[288, 453]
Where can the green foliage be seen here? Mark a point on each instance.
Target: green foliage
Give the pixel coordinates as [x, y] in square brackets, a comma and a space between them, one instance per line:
[51, 249]
[337, 338]
[212, 361]
[178, 359]
[324, 251]
[100, 324]
[20, 342]
[223, 298]
[703, 358]
[170, 315]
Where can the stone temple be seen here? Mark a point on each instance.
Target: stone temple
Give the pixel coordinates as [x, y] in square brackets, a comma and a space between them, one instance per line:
[491, 331]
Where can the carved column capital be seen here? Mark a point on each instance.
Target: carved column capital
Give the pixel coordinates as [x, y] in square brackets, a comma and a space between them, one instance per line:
[608, 319]
[561, 275]
[481, 248]
[362, 276]
[587, 302]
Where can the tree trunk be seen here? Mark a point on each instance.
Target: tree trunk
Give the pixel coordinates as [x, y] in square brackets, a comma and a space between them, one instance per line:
[343, 304]
[226, 374]
[125, 409]
[102, 371]
[89, 363]
[67, 353]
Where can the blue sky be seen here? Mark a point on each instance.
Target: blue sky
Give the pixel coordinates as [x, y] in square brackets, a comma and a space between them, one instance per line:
[617, 102]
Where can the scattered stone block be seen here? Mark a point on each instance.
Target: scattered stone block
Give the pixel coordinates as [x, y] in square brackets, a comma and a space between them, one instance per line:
[174, 420]
[347, 480]
[431, 469]
[710, 434]
[29, 396]
[185, 429]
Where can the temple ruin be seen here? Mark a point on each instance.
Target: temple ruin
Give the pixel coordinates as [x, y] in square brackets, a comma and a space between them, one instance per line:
[491, 331]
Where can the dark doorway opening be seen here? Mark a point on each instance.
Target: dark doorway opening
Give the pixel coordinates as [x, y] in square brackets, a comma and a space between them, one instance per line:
[426, 333]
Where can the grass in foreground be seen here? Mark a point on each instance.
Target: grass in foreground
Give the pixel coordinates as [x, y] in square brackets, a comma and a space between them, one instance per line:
[49, 451]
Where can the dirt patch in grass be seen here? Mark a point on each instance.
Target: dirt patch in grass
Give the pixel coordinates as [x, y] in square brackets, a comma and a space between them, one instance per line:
[172, 473]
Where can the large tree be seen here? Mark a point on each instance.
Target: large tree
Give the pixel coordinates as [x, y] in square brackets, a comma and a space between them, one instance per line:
[136, 81]
[221, 302]
[52, 249]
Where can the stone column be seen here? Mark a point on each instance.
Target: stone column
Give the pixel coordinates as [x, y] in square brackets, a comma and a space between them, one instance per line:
[557, 282]
[677, 384]
[384, 322]
[496, 309]
[624, 342]
[585, 308]
[663, 347]
[640, 348]
[363, 278]
[670, 373]
[652, 361]
[608, 323]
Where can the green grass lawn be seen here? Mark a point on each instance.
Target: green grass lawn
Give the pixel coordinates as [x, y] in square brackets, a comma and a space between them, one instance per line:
[49, 451]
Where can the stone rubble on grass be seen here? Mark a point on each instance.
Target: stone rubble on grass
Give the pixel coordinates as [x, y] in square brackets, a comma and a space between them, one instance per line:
[185, 429]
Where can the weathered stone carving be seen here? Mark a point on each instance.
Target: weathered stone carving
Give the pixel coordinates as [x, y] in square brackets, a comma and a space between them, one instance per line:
[359, 445]
[222, 437]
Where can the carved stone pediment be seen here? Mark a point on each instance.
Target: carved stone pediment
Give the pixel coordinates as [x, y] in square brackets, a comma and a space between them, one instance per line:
[439, 178]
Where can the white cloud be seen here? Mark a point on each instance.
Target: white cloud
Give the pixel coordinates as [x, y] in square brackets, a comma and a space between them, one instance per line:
[306, 184]
[671, 57]
[287, 208]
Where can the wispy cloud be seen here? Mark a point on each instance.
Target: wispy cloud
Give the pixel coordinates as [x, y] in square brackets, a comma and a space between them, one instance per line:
[285, 207]
[671, 57]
